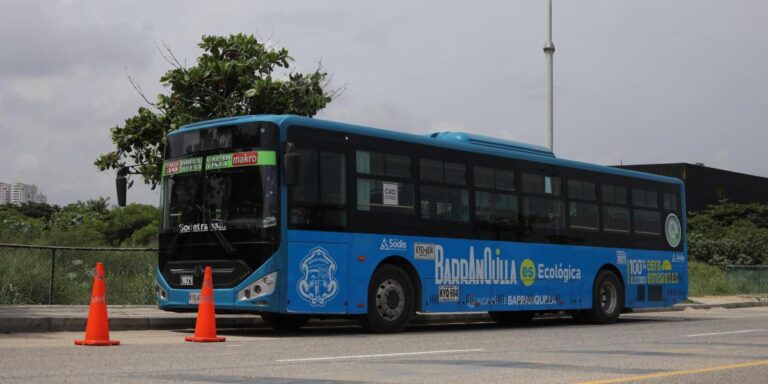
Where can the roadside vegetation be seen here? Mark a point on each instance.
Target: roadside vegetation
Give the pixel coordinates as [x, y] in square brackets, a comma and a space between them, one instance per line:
[92, 223]
[25, 276]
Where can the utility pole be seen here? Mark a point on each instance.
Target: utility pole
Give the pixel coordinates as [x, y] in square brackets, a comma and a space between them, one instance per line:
[549, 52]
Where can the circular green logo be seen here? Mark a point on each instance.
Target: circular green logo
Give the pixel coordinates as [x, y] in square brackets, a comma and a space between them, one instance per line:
[673, 230]
[527, 272]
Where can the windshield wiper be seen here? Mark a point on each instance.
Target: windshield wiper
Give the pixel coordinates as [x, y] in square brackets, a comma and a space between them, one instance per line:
[216, 231]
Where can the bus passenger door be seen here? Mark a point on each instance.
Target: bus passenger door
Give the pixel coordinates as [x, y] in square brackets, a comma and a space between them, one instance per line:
[316, 278]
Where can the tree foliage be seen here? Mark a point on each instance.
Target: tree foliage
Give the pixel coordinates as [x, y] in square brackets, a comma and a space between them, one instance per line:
[235, 75]
[729, 234]
[89, 223]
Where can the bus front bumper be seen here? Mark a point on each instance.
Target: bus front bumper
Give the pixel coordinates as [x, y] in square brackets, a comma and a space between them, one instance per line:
[258, 293]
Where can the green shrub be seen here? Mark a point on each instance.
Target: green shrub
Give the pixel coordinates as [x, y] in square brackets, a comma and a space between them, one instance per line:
[704, 279]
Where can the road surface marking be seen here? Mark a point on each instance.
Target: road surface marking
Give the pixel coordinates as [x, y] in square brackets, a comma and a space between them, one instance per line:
[723, 333]
[380, 355]
[677, 373]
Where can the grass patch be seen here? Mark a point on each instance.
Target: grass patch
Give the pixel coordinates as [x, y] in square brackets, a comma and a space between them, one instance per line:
[26, 274]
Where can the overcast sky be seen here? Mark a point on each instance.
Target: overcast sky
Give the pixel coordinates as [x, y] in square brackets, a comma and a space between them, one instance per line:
[635, 81]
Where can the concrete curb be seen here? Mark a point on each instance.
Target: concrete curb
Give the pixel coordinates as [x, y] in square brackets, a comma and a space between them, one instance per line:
[76, 322]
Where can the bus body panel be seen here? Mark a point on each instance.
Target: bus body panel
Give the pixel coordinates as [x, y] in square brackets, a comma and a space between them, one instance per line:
[459, 275]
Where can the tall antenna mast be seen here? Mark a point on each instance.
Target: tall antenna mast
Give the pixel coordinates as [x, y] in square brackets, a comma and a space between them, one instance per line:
[549, 52]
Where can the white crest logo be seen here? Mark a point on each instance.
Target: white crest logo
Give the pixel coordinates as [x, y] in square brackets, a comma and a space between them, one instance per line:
[318, 286]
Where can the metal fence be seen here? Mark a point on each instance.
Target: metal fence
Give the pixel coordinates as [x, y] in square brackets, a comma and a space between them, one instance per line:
[747, 279]
[64, 275]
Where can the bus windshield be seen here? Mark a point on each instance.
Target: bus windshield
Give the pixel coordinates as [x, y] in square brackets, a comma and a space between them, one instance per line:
[235, 191]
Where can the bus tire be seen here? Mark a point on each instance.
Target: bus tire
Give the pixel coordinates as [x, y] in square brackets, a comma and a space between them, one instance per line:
[506, 318]
[607, 298]
[390, 300]
[284, 323]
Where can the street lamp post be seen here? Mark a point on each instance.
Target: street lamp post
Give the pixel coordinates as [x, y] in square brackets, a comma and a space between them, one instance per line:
[549, 52]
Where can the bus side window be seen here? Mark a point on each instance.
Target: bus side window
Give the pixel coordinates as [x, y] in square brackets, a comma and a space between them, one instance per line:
[582, 205]
[496, 205]
[382, 182]
[542, 207]
[319, 199]
[439, 199]
[615, 211]
[646, 217]
[670, 202]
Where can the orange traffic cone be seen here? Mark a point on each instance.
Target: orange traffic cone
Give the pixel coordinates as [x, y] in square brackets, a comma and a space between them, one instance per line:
[97, 328]
[205, 327]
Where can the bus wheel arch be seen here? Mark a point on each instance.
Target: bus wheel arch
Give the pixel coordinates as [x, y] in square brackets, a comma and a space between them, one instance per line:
[618, 274]
[410, 270]
[391, 298]
[608, 295]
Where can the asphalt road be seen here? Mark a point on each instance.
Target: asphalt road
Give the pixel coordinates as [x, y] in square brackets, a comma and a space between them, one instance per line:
[691, 346]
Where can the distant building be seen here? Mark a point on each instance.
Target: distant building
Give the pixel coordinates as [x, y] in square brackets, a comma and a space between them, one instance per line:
[705, 186]
[5, 193]
[20, 193]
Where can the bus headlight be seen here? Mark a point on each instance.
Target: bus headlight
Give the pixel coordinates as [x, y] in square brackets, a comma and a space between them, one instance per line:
[262, 287]
[161, 293]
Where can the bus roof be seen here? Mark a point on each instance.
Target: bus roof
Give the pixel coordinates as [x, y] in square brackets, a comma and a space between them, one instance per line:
[452, 140]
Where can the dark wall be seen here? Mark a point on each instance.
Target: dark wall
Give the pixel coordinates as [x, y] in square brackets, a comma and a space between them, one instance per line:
[705, 186]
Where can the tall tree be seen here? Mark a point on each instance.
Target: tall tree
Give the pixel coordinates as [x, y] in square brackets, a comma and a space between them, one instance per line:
[235, 75]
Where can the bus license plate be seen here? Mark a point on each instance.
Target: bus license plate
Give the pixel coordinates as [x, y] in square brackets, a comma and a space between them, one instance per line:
[194, 298]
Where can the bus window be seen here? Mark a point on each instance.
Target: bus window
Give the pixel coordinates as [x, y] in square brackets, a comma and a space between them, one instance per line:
[384, 196]
[383, 164]
[437, 171]
[496, 208]
[484, 177]
[615, 219]
[319, 199]
[582, 205]
[615, 213]
[612, 194]
[647, 222]
[541, 185]
[380, 184]
[444, 203]
[541, 207]
[440, 202]
[505, 180]
[644, 198]
[670, 202]
[542, 212]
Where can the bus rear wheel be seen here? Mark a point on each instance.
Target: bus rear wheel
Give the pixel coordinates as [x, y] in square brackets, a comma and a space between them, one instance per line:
[390, 301]
[607, 299]
[284, 323]
[512, 318]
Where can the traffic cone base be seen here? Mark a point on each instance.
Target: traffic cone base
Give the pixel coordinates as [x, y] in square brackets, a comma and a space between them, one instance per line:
[205, 325]
[97, 342]
[203, 339]
[97, 327]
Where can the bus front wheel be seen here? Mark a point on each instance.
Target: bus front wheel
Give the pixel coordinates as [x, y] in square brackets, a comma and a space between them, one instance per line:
[284, 323]
[390, 300]
[607, 299]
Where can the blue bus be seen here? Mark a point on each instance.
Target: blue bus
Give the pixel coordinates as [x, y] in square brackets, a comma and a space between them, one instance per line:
[303, 218]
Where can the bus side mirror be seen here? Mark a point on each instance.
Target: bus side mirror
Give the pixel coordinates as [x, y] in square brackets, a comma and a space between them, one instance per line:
[291, 161]
[122, 185]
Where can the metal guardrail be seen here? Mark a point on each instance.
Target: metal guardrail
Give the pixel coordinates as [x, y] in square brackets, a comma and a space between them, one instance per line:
[36, 274]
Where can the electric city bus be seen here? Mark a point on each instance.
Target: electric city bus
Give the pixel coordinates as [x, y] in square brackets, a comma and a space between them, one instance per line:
[302, 218]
